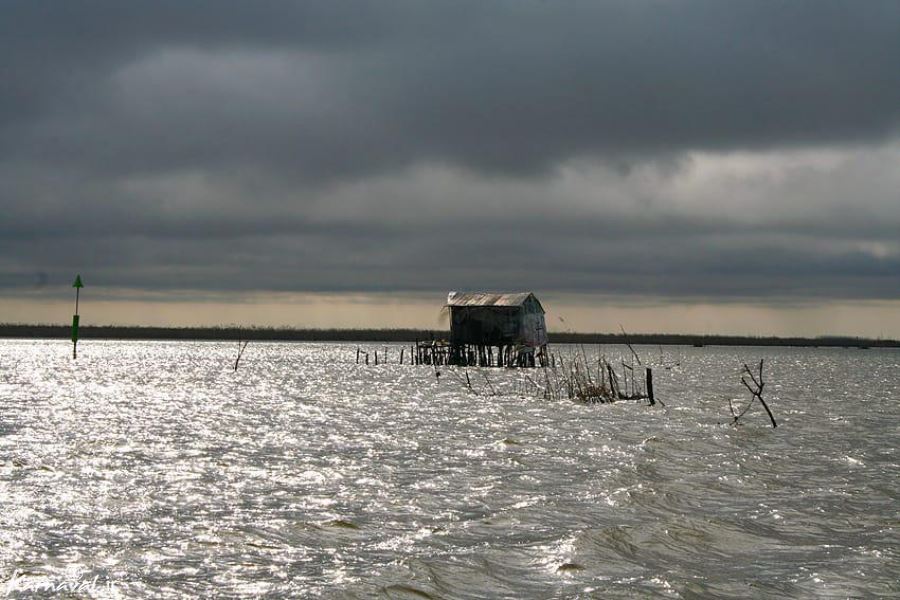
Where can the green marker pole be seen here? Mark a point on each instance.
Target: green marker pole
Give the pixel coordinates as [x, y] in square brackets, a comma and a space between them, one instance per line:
[77, 285]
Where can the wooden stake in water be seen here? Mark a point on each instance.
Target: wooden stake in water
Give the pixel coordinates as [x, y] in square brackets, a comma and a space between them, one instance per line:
[77, 285]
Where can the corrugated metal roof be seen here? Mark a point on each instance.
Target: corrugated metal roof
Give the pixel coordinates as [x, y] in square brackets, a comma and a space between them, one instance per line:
[486, 299]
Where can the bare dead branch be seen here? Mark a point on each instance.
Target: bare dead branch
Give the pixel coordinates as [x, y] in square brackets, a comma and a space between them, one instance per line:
[241, 347]
[627, 343]
[756, 391]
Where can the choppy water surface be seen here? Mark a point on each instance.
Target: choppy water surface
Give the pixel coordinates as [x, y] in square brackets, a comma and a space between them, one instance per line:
[154, 469]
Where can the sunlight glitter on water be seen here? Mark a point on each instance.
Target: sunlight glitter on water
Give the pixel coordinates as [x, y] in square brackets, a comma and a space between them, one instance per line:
[156, 468]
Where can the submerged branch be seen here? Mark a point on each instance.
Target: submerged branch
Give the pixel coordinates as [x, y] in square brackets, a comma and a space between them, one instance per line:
[755, 394]
[242, 345]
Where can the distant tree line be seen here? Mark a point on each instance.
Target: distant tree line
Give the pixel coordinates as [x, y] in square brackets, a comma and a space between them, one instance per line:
[117, 332]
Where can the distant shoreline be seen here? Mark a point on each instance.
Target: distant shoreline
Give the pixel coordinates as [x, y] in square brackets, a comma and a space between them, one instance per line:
[115, 332]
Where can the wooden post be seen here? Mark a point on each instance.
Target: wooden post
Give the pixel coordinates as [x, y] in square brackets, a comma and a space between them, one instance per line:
[357, 355]
[650, 386]
[613, 382]
[401, 356]
[367, 358]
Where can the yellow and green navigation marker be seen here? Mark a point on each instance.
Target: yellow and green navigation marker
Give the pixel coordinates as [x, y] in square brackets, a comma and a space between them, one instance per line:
[77, 285]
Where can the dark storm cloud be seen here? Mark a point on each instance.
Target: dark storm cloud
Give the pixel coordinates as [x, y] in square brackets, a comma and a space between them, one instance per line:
[281, 145]
[512, 86]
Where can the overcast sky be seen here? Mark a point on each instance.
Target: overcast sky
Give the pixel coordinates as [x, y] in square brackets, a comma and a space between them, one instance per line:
[667, 153]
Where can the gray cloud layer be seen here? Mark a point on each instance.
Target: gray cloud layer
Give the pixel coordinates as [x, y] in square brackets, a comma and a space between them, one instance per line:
[703, 149]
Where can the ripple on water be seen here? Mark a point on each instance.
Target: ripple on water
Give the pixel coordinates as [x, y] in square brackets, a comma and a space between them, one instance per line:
[156, 467]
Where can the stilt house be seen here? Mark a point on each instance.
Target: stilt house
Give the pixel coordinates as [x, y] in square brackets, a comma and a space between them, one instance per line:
[511, 323]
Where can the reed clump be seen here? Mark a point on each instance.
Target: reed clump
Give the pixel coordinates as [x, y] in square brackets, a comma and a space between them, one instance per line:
[592, 380]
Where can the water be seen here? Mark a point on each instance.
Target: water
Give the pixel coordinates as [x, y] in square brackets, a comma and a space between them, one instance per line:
[152, 469]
